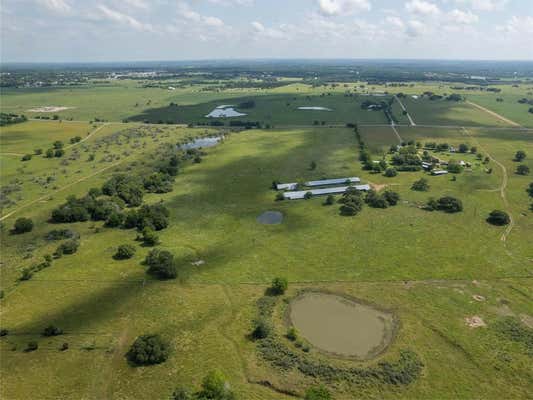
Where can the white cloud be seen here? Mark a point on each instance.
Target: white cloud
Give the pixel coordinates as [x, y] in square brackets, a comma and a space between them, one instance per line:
[342, 7]
[416, 28]
[186, 12]
[485, 5]
[121, 18]
[422, 7]
[518, 25]
[462, 17]
[142, 4]
[395, 22]
[58, 6]
[232, 2]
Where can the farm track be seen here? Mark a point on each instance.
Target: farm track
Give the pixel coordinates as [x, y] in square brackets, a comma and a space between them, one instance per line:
[405, 109]
[396, 133]
[494, 114]
[502, 188]
[93, 132]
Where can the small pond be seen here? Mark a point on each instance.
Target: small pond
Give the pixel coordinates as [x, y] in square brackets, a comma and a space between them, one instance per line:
[340, 326]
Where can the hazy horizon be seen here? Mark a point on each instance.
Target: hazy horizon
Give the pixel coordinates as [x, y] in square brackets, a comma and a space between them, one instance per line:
[75, 31]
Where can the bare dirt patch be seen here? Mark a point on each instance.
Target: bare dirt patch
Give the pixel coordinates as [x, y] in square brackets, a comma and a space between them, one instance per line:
[49, 109]
[475, 322]
[478, 297]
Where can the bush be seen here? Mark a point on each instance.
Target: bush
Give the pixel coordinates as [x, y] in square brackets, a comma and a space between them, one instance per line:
[391, 172]
[181, 393]
[64, 346]
[317, 393]
[279, 196]
[161, 264]
[262, 329]
[530, 189]
[447, 204]
[520, 156]
[148, 350]
[292, 334]
[454, 167]
[59, 153]
[499, 218]
[128, 188]
[60, 234]
[124, 252]
[68, 247]
[26, 157]
[391, 197]
[279, 286]
[375, 200]
[114, 220]
[522, 169]
[330, 200]
[215, 387]
[4, 332]
[420, 185]
[22, 225]
[149, 237]
[52, 330]
[32, 346]
[308, 195]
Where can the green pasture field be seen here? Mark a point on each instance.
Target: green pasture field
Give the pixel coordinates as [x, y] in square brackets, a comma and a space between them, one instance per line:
[278, 110]
[26, 137]
[424, 266]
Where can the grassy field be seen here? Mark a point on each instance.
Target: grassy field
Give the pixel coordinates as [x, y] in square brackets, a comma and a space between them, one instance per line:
[424, 266]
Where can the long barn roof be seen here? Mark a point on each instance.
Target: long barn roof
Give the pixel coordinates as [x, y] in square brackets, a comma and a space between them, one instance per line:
[317, 192]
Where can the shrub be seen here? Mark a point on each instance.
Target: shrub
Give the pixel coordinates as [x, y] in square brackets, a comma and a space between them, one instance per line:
[68, 247]
[454, 167]
[181, 393]
[161, 264]
[279, 286]
[128, 188]
[64, 346]
[124, 252]
[114, 220]
[317, 393]
[32, 346]
[308, 195]
[149, 237]
[52, 330]
[391, 197]
[447, 204]
[59, 153]
[261, 329]
[312, 165]
[330, 200]
[352, 207]
[60, 234]
[49, 153]
[26, 157]
[522, 169]
[530, 189]
[499, 218]
[292, 334]
[520, 156]
[421, 185]
[22, 225]
[279, 196]
[148, 350]
[391, 172]
[4, 332]
[215, 387]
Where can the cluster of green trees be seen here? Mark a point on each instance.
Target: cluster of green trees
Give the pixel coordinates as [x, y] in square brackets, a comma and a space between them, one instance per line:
[447, 204]
[499, 218]
[28, 272]
[56, 150]
[22, 225]
[352, 202]
[382, 200]
[8, 119]
[405, 158]
[421, 185]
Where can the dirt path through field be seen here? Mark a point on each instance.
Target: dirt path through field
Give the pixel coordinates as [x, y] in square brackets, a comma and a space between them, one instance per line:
[412, 122]
[500, 117]
[502, 188]
[89, 135]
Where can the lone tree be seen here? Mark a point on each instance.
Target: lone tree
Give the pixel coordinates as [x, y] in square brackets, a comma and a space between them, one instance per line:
[279, 286]
[161, 264]
[148, 350]
[421, 185]
[124, 252]
[499, 218]
[215, 386]
[530, 189]
[522, 169]
[520, 155]
[261, 329]
[391, 172]
[22, 225]
[312, 165]
[330, 200]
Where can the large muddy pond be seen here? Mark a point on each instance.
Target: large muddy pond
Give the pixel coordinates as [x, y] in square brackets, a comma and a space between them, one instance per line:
[341, 326]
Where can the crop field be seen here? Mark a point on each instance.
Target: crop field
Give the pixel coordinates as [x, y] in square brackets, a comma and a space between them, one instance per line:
[459, 288]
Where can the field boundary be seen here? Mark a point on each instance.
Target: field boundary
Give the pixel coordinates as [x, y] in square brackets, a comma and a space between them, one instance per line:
[494, 114]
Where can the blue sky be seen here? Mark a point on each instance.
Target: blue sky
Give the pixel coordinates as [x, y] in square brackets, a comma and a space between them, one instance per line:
[128, 30]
